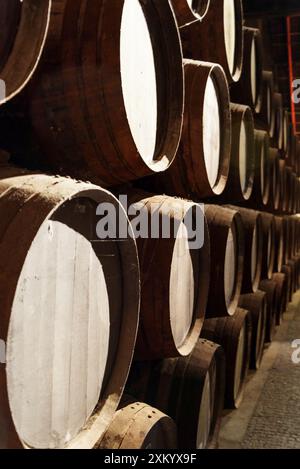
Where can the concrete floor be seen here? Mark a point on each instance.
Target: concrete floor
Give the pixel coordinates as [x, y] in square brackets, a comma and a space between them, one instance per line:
[269, 416]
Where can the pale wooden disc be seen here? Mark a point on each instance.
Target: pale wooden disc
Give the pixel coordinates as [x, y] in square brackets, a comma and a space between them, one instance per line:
[139, 79]
[243, 157]
[205, 416]
[211, 132]
[182, 288]
[254, 254]
[230, 268]
[230, 32]
[58, 337]
[239, 361]
[253, 70]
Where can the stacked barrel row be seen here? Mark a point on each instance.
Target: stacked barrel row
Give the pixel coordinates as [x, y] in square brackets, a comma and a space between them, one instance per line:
[169, 104]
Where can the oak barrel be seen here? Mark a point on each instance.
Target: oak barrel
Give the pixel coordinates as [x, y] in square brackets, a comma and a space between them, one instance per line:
[281, 293]
[69, 315]
[234, 334]
[280, 245]
[248, 90]
[139, 426]
[174, 255]
[253, 248]
[107, 102]
[269, 287]
[20, 49]
[261, 184]
[189, 389]
[266, 116]
[227, 240]
[241, 172]
[275, 181]
[269, 239]
[218, 38]
[278, 126]
[201, 166]
[256, 304]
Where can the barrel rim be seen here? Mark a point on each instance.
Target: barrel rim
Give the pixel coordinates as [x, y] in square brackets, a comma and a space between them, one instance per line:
[186, 14]
[38, 46]
[168, 54]
[108, 402]
[219, 79]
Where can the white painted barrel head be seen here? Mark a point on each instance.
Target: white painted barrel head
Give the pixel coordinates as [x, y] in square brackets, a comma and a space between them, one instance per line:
[254, 253]
[58, 337]
[138, 76]
[253, 71]
[205, 417]
[211, 131]
[229, 16]
[230, 268]
[243, 156]
[182, 288]
[239, 364]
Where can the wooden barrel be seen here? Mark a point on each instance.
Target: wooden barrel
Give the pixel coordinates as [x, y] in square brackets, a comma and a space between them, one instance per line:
[227, 240]
[287, 270]
[278, 126]
[241, 172]
[269, 287]
[256, 304]
[269, 235]
[293, 266]
[174, 274]
[279, 244]
[296, 194]
[189, 389]
[218, 38]
[188, 11]
[289, 190]
[70, 306]
[292, 207]
[261, 183]
[248, 90]
[201, 167]
[281, 295]
[266, 116]
[17, 21]
[139, 426]
[234, 334]
[274, 194]
[290, 141]
[253, 248]
[132, 64]
[287, 239]
[287, 146]
[283, 183]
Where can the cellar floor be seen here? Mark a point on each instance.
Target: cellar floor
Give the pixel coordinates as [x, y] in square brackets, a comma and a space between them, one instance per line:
[269, 416]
